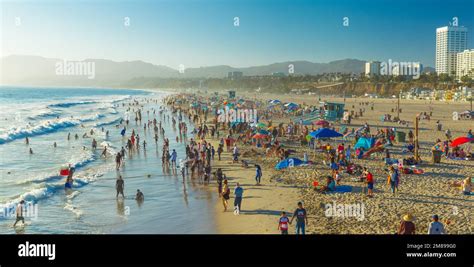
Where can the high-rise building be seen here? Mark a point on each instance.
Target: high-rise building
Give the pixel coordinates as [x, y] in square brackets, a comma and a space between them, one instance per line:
[465, 64]
[372, 68]
[449, 41]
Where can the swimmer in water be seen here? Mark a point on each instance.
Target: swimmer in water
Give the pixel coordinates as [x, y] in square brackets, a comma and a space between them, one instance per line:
[69, 179]
[19, 213]
[55, 145]
[27, 141]
[139, 197]
[104, 153]
[31, 151]
[118, 160]
[119, 185]
[68, 136]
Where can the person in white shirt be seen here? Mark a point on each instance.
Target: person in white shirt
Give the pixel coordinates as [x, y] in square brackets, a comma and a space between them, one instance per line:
[435, 227]
[235, 153]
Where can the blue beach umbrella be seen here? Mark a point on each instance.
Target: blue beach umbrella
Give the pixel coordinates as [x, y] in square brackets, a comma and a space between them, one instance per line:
[324, 133]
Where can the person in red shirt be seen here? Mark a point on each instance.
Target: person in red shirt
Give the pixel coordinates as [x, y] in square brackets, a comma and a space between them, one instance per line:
[283, 223]
[370, 182]
[340, 149]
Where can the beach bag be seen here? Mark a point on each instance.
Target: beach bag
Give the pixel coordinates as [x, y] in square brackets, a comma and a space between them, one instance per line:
[226, 194]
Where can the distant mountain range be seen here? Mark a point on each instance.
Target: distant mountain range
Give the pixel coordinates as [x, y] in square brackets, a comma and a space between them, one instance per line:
[35, 70]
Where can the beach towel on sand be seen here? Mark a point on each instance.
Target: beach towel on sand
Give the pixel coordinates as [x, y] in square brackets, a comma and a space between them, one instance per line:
[342, 189]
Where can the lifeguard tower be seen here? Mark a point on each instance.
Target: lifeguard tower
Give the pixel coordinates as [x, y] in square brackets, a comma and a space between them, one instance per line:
[332, 111]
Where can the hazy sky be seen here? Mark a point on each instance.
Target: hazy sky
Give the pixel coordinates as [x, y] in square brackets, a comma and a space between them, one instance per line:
[202, 32]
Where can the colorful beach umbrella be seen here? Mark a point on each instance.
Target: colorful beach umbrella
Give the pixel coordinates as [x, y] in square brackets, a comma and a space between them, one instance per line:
[261, 125]
[460, 140]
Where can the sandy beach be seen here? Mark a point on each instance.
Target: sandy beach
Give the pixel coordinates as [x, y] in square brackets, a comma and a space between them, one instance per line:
[420, 195]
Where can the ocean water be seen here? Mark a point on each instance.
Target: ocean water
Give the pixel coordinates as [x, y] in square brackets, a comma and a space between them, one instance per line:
[47, 115]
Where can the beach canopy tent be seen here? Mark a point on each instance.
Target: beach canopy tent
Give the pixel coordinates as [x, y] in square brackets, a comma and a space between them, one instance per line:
[288, 163]
[324, 133]
[461, 140]
[365, 143]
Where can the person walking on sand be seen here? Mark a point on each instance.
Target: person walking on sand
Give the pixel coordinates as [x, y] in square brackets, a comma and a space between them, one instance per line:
[394, 176]
[301, 219]
[238, 192]
[119, 185]
[283, 223]
[220, 149]
[435, 227]
[407, 227]
[258, 175]
[370, 182]
[225, 193]
[235, 154]
[220, 179]
[19, 213]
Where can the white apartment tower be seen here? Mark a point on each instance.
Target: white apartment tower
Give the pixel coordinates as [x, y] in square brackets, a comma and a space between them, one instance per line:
[372, 68]
[449, 41]
[465, 64]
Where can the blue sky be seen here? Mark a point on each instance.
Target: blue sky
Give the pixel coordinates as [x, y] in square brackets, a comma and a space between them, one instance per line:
[202, 32]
